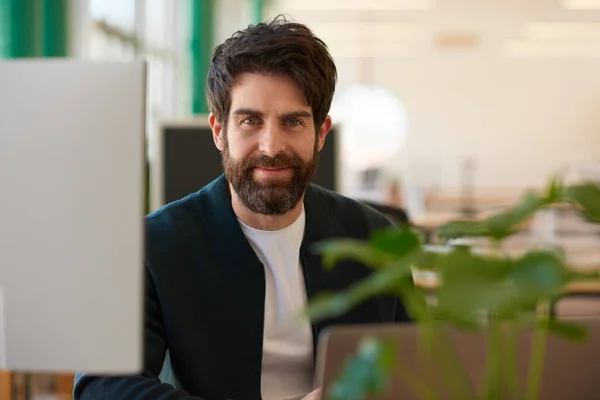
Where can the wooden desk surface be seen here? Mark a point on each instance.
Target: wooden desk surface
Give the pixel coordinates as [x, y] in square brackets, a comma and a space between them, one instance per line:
[5, 385]
[430, 282]
[432, 220]
[12, 384]
[583, 287]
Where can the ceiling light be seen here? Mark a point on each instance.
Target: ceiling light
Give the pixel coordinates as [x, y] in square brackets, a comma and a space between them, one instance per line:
[375, 141]
[561, 30]
[448, 40]
[521, 48]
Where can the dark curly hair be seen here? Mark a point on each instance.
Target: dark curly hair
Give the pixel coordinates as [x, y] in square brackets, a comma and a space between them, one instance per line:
[273, 47]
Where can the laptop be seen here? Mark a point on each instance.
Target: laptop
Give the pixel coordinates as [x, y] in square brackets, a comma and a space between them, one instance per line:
[571, 370]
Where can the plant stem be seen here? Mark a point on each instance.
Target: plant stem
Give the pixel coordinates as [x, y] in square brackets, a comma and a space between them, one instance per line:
[426, 352]
[454, 373]
[509, 362]
[493, 369]
[417, 305]
[536, 366]
[436, 345]
[419, 386]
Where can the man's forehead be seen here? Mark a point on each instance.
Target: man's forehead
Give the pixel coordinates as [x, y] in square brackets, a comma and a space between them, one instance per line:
[271, 86]
[268, 95]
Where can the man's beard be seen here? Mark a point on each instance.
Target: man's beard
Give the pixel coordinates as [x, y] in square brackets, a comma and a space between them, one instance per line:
[274, 196]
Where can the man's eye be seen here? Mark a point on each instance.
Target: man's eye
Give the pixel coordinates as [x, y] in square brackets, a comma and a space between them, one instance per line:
[250, 120]
[294, 122]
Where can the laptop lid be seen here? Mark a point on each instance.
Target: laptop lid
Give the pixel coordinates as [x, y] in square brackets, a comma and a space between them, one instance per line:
[571, 370]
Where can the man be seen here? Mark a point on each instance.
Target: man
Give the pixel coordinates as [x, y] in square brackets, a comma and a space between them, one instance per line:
[230, 268]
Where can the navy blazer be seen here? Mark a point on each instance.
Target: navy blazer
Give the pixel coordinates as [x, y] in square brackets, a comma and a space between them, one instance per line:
[205, 296]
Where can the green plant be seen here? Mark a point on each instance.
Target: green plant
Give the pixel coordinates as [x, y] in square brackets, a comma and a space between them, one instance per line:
[480, 289]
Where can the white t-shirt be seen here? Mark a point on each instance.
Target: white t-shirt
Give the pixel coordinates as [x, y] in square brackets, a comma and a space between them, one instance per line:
[287, 365]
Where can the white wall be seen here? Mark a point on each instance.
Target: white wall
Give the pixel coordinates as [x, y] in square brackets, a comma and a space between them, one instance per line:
[520, 119]
[230, 16]
[79, 18]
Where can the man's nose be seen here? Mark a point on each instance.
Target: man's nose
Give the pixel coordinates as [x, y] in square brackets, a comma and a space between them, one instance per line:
[272, 141]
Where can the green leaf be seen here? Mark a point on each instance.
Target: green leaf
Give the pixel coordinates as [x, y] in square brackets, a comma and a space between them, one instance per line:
[400, 241]
[462, 266]
[380, 282]
[586, 196]
[458, 229]
[474, 286]
[567, 330]
[574, 275]
[458, 318]
[328, 305]
[521, 301]
[540, 271]
[555, 191]
[535, 277]
[506, 223]
[497, 227]
[365, 374]
[335, 250]
[468, 304]
[414, 300]
[428, 260]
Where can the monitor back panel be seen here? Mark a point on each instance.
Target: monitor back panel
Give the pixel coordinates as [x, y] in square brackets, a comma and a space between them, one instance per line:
[190, 160]
[72, 157]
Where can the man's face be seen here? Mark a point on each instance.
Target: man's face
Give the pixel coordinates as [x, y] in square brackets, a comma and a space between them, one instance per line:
[270, 147]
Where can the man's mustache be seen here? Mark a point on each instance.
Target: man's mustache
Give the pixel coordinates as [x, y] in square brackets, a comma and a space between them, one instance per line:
[277, 162]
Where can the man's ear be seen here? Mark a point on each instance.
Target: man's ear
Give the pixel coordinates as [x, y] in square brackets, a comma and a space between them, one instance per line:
[323, 131]
[217, 131]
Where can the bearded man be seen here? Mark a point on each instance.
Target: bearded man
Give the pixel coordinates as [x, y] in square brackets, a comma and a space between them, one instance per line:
[230, 268]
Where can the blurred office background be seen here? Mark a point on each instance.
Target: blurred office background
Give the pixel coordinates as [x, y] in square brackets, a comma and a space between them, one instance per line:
[444, 109]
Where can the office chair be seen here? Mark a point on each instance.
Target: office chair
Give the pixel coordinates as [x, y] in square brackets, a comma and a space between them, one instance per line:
[397, 215]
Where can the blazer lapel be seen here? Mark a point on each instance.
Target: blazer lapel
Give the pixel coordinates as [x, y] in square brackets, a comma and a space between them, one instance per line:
[226, 235]
[317, 228]
[242, 298]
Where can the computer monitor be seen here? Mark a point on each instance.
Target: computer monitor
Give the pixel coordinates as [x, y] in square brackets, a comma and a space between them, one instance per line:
[72, 163]
[186, 159]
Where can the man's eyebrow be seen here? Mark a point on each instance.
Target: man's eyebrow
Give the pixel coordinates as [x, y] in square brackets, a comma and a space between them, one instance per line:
[296, 114]
[247, 111]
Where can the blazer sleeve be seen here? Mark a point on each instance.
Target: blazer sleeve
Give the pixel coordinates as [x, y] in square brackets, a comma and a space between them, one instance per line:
[147, 385]
[381, 222]
[401, 313]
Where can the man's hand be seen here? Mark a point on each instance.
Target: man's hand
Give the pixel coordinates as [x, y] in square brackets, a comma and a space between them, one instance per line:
[316, 395]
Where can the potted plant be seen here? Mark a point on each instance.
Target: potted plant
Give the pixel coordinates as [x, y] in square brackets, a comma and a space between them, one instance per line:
[479, 289]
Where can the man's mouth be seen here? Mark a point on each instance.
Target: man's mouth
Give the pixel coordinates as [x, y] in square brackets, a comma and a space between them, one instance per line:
[269, 172]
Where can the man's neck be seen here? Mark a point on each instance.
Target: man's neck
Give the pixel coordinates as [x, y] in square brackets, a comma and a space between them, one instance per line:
[261, 221]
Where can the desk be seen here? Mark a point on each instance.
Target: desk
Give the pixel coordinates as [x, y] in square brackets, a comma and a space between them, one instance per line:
[55, 386]
[481, 199]
[5, 385]
[430, 282]
[583, 287]
[433, 220]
